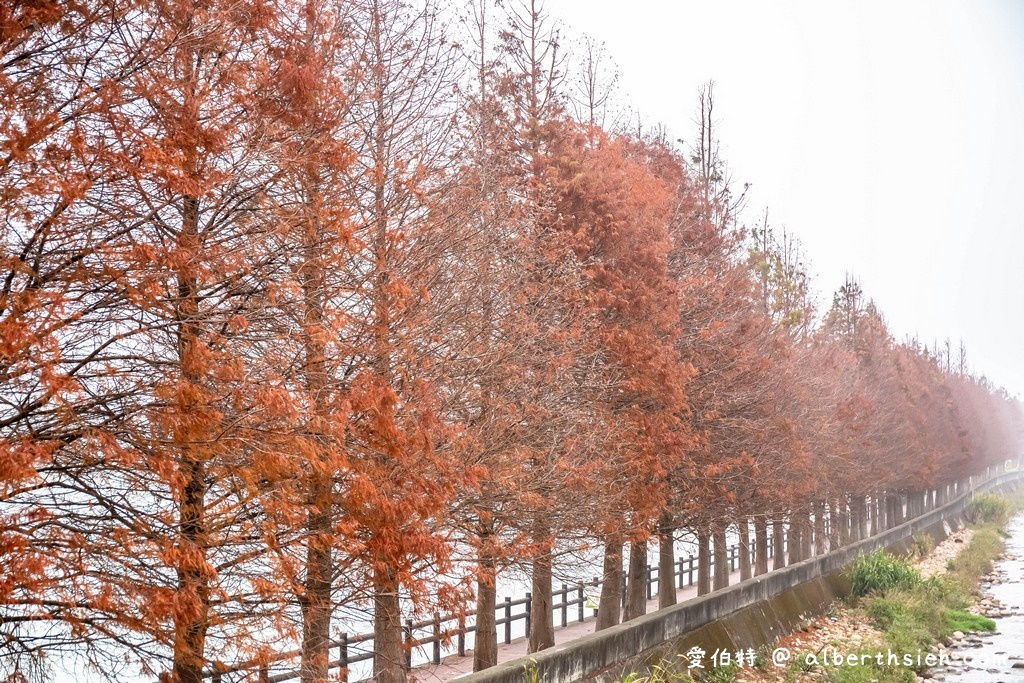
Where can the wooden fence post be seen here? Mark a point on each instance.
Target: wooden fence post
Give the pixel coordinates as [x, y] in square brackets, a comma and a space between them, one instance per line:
[437, 638]
[508, 620]
[408, 644]
[529, 612]
[343, 656]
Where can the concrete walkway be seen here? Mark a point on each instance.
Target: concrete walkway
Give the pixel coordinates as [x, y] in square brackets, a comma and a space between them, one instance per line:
[454, 666]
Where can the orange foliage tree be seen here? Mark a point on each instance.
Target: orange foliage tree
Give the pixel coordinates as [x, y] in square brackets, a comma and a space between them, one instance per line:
[305, 319]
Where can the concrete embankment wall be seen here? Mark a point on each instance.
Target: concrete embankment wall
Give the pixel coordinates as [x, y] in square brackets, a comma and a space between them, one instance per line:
[748, 614]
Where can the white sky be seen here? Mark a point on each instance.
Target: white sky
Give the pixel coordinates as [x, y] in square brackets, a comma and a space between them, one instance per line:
[887, 135]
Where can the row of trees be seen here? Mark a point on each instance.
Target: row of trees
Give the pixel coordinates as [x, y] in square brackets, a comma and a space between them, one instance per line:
[311, 311]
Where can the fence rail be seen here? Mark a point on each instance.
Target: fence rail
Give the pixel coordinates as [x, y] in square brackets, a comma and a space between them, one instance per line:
[444, 628]
[448, 628]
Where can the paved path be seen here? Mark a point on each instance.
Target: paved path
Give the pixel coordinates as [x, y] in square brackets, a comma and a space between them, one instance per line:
[454, 666]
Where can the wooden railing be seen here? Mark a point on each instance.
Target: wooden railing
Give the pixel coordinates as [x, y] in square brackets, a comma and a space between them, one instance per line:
[434, 632]
[441, 629]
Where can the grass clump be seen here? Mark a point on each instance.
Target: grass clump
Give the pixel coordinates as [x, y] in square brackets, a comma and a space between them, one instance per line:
[960, 620]
[665, 672]
[884, 612]
[976, 559]
[915, 618]
[801, 663]
[720, 674]
[881, 572]
[988, 508]
[870, 672]
[763, 658]
[923, 544]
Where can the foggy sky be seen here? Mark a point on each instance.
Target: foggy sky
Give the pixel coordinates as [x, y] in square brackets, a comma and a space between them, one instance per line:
[887, 136]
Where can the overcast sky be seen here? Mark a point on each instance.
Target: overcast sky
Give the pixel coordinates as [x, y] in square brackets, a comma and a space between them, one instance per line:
[887, 136]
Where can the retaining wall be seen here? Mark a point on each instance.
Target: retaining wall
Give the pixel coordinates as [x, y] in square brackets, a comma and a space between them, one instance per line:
[748, 614]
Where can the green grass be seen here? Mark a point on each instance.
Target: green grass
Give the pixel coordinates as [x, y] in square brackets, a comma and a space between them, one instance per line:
[799, 663]
[987, 508]
[884, 611]
[976, 559]
[530, 671]
[959, 620]
[678, 671]
[915, 613]
[881, 572]
[665, 672]
[923, 544]
[763, 658]
[720, 674]
[870, 673]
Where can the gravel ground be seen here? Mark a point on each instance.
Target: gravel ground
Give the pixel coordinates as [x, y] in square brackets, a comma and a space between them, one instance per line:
[935, 563]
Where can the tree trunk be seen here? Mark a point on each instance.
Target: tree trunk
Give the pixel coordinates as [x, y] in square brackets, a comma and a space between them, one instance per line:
[744, 549]
[854, 520]
[636, 586]
[721, 555]
[193, 586]
[388, 648]
[611, 587]
[666, 563]
[894, 509]
[835, 523]
[761, 541]
[819, 527]
[793, 540]
[862, 517]
[858, 513]
[779, 541]
[844, 522]
[316, 600]
[876, 527]
[542, 616]
[485, 652]
[806, 535]
[192, 618]
[703, 560]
